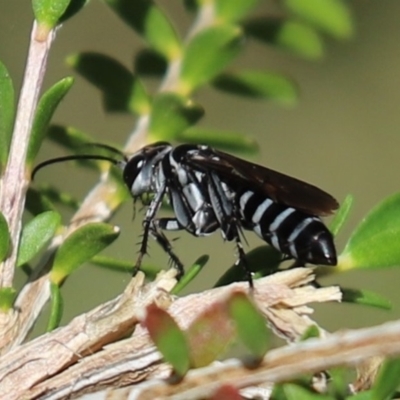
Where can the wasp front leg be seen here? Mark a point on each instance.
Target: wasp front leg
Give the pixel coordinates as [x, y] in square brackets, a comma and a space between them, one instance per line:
[167, 224]
[148, 222]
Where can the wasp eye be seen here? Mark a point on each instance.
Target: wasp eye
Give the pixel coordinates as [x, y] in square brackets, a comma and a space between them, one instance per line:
[132, 170]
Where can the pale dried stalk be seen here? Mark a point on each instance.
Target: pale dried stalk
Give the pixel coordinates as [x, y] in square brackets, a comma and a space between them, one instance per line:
[280, 365]
[15, 181]
[135, 359]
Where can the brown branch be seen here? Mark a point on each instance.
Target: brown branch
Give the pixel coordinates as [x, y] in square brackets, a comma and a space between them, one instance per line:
[65, 362]
[314, 355]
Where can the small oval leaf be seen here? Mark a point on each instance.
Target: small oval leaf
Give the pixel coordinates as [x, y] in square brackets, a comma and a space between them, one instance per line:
[171, 114]
[226, 392]
[375, 242]
[332, 16]
[81, 246]
[149, 63]
[7, 110]
[259, 84]
[387, 380]
[68, 137]
[224, 140]
[290, 35]
[250, 324]
[207, 54]
[44, 112]
[190, 274]
[7, 297]
[263, 260]
[341, 215]
[365, 297]
[114, 264]
[167, 336]
[121, 90]
[37, 203]
[57, 307]
[53, 195]
[5, 239]
[300, 39]
[232, 11]
[150, 21]
[205, 346]
[297, 392]
[35, 235]
[48, 12]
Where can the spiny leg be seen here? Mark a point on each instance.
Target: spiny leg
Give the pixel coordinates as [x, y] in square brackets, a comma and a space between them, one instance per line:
[147, 222]
[168, 224]
[242, 259]
[227, 213]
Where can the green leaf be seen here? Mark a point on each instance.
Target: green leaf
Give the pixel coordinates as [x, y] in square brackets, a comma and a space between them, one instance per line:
[296, 392]
[48, 12]
[365, 297]
[387, 380]
[149, 63]
[341, 215]
[37, 203]
[35, 235]
[190, 274]
[7, 297]
[5, 239]
[7, 110]
[69, 137]
[167, 336]
[332, 16]
[375, 242]
[80, 142]
[171, 114]
[259, 84]
[53, 195]
[150, 21]
[121, 90]
[114, 264]
[81, 246]
[57, 307]
[74, 7]
[290, 35]
[263, 259]
[44, 112]
[224, 140]
[311, 332]
[250, 324]
[207, 54]
[205, 346]
[232, 11]
[300, 39]
[367, 395]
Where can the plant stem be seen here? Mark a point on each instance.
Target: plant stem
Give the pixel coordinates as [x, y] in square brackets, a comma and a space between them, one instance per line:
[16, 178]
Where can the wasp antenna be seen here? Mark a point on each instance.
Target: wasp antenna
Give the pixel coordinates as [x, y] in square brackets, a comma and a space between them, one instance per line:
[109, 148]
[70, 158]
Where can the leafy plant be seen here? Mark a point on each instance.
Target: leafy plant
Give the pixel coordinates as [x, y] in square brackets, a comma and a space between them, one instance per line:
[183, 65]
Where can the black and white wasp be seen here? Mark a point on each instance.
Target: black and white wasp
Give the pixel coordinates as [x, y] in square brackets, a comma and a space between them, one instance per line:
[211, 190]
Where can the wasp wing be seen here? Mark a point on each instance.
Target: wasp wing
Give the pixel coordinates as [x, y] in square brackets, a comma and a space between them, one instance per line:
[281, 188]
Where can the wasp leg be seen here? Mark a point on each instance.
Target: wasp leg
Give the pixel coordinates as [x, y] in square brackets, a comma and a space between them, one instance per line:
[167, 224]
[147, 223]
[226, 213]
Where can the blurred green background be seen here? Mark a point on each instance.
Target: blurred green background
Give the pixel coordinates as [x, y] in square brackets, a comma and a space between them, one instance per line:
[344, 136]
